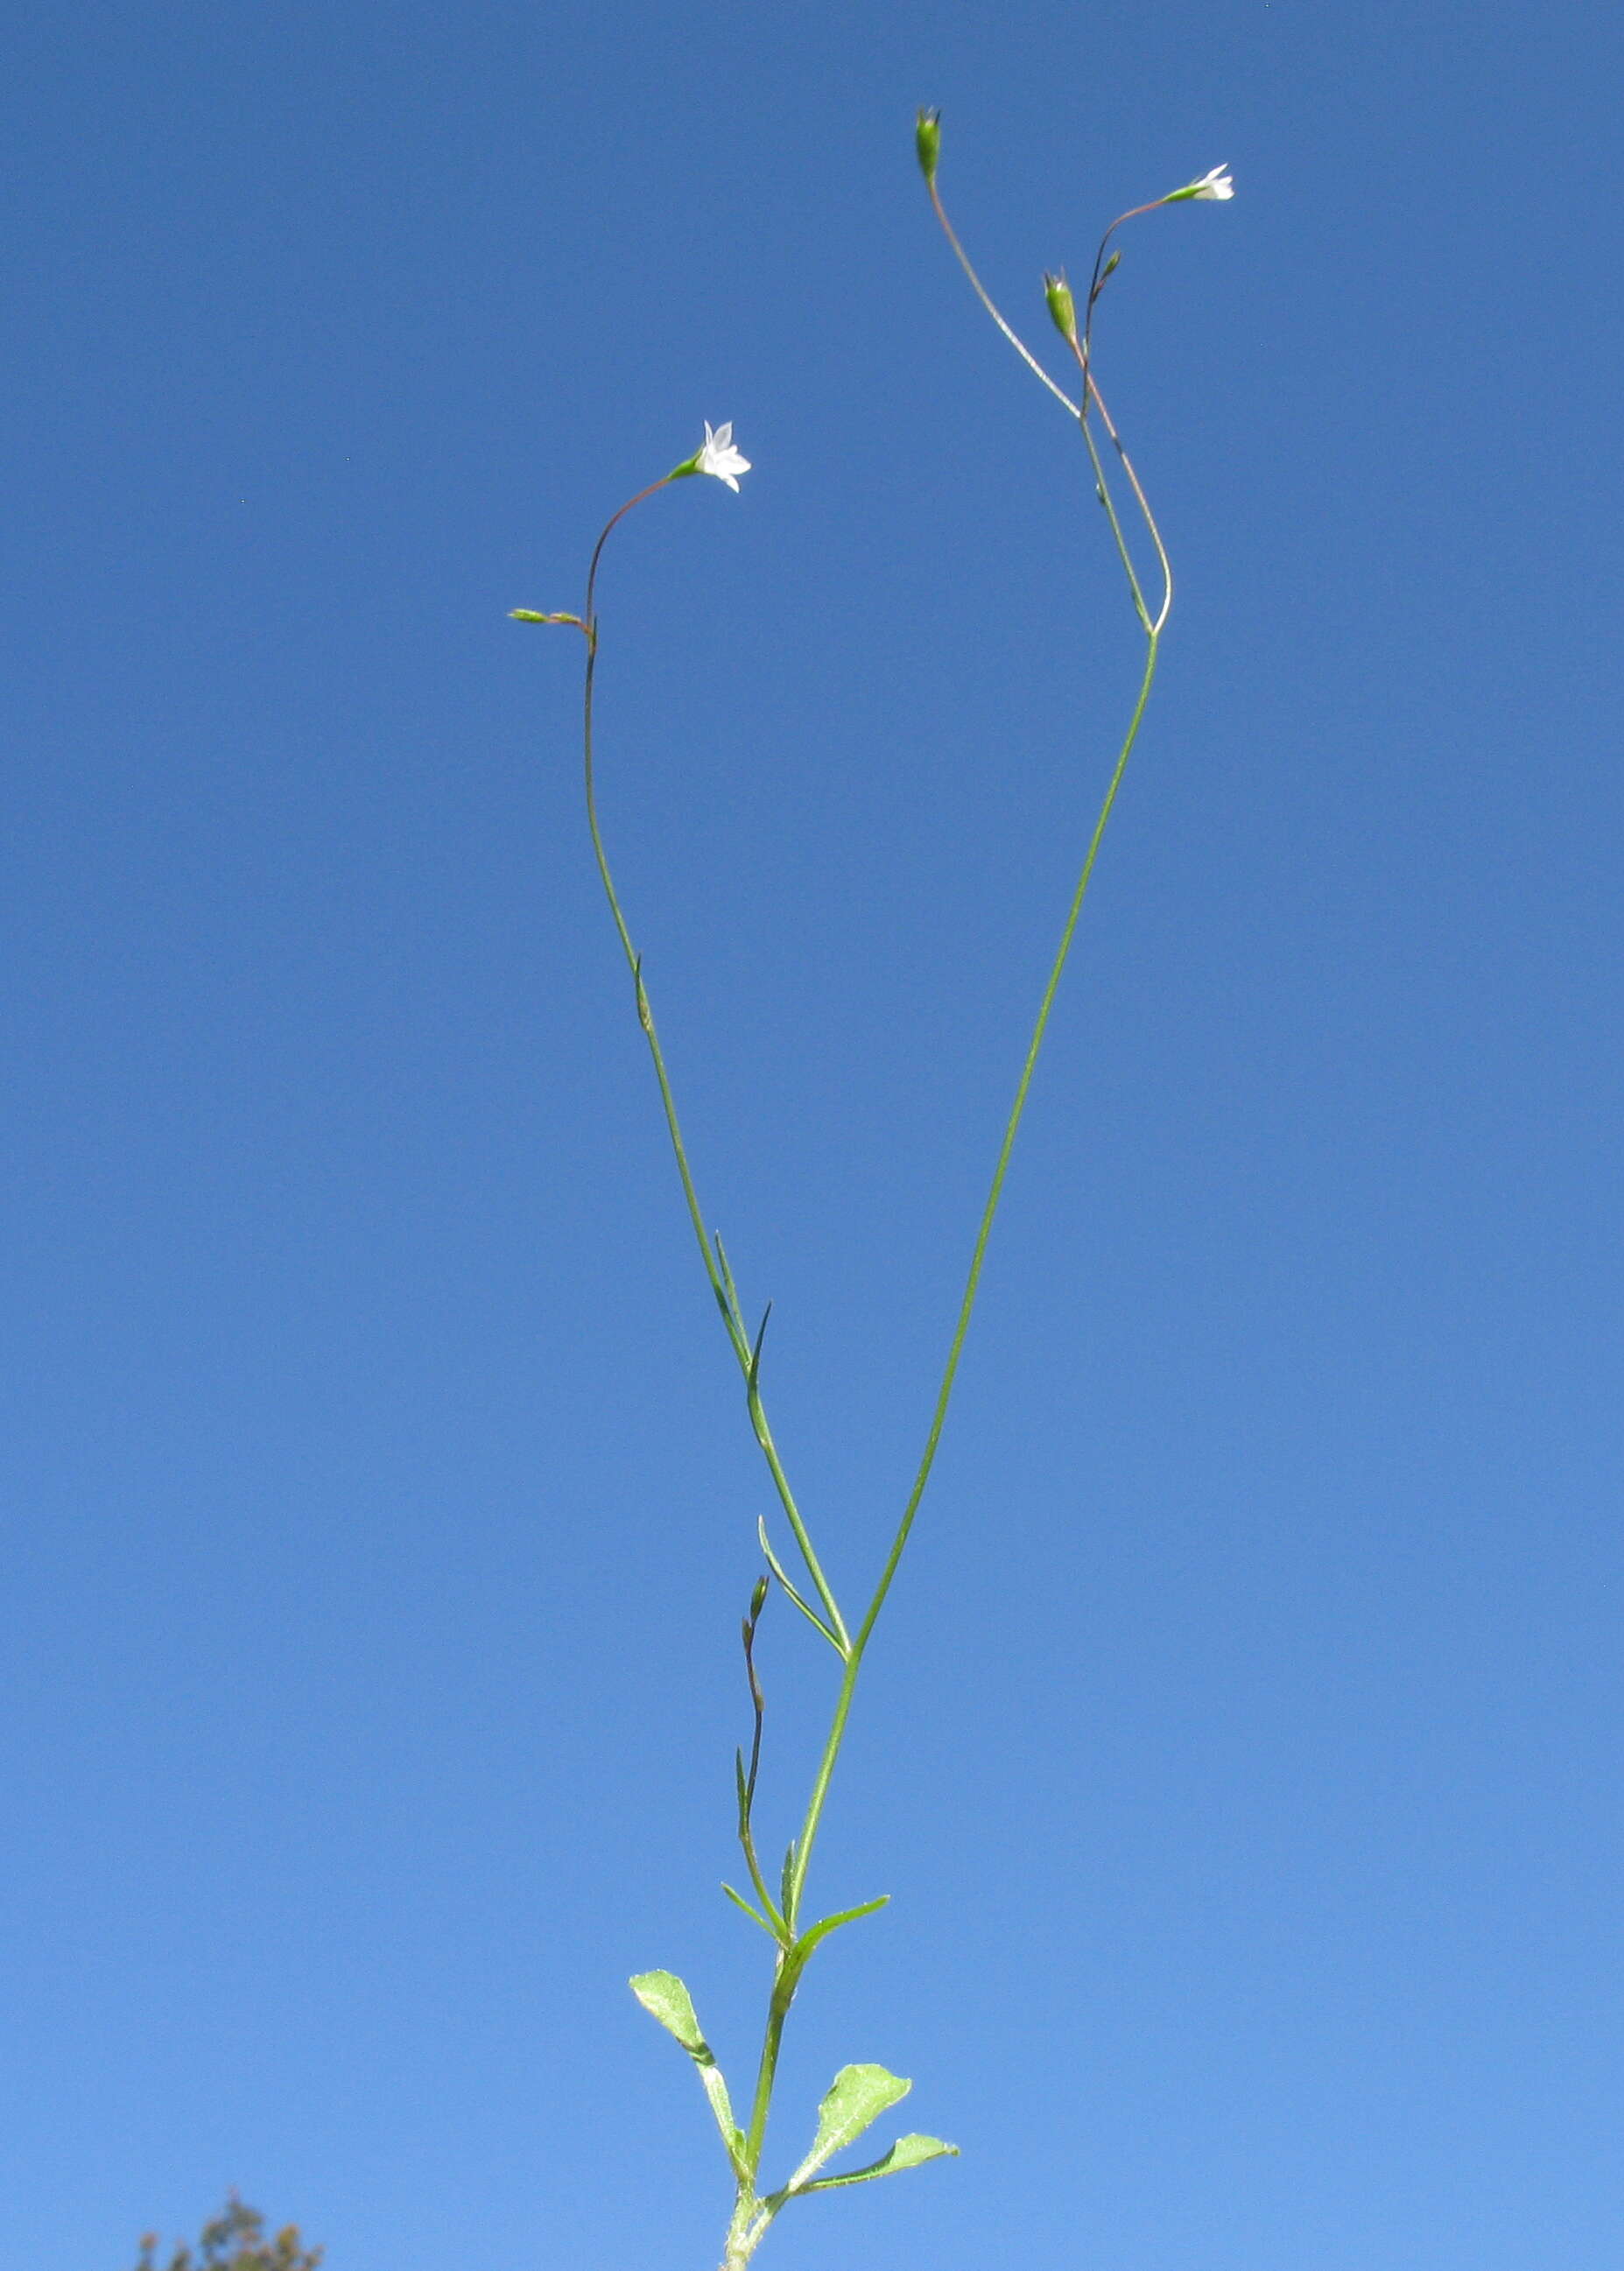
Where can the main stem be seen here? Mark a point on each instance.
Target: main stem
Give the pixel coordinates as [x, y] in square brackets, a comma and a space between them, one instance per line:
[786, 1976]
[848, 1685]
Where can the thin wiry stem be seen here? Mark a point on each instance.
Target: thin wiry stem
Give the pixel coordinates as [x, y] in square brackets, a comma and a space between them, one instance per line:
[832, 1749]
[1155, 628]
[1091, 391]
[1090, 396]
[977, 287]
[720, 1281]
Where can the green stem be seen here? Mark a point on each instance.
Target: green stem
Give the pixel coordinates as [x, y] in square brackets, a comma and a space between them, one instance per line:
[848, 1685]
[1083, 350]
[786, 1978]
[983, 294]
[720, 1282]
[1152, 630]
[1103, 490]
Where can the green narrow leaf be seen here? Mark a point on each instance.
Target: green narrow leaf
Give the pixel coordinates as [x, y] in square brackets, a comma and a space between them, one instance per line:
[805, 1606]
[809, 1939]
[754, 1374]
[857, 2096]
[726, 1269]
[752, 1911]
[906, 2153]
[664, 1998]
[784, 1883]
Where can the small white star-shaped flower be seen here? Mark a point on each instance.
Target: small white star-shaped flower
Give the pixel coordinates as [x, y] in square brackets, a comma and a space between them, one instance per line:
[1215, 185]
[718, 456]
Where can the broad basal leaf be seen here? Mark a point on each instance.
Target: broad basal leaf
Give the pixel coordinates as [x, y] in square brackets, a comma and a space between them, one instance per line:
[663, 1994]
[857, 2096]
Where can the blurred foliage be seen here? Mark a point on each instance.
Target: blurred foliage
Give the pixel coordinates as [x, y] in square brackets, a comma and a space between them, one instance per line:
[235, 2241]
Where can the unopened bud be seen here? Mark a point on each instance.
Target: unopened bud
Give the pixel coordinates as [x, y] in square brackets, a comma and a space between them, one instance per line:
[529, 615]
[758, 1597]
[927, 141]
[1057, 292]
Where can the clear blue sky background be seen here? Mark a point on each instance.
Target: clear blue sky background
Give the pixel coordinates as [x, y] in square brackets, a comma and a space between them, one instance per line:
[1242, 1747]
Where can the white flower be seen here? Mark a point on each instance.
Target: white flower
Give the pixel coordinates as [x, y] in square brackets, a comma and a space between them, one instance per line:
[718, 456]
[1215, 185]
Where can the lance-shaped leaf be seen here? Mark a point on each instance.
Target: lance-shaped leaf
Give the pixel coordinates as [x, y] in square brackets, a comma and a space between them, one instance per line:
[786, 1883]
[663, 1994]
[805, 1607]
[751, 1911]
[906, 2153]
[857, 2096]
[811, 1939]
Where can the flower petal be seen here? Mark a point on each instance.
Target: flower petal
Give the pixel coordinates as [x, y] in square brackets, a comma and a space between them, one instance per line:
[720, 458]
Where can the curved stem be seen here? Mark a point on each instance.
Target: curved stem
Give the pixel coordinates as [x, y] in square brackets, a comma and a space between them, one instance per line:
[1096, 280]
[1102, 489]
[1084, 351]
[1091, 394]
[1154, 630]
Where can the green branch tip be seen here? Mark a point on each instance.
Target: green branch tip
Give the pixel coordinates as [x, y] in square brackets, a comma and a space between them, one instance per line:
[529, 615]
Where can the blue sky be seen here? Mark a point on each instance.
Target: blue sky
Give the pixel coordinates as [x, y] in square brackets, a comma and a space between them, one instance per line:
[1242, 1744]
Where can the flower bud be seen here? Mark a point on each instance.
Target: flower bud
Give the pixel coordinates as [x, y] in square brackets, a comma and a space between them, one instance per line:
[1062, 307]
[529, 615]
[927, 142]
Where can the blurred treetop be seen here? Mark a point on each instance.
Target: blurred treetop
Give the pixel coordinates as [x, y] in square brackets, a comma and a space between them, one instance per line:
[235, 2241]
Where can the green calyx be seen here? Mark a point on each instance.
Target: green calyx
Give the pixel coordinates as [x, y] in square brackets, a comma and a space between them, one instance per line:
[1062, 307]
[927, 141]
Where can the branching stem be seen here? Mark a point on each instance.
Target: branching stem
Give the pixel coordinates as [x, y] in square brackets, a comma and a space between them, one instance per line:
[752, 2213]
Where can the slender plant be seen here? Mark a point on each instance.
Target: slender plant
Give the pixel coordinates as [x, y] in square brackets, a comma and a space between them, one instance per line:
[859, 2093]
